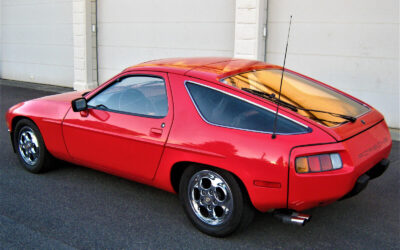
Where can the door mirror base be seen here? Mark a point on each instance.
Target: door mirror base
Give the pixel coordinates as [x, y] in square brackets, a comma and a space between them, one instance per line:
[84, 113]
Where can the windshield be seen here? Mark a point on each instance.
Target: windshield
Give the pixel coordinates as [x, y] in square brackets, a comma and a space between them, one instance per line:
[300, 92]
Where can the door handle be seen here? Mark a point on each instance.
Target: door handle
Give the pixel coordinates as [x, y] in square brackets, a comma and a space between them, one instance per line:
[156, 131]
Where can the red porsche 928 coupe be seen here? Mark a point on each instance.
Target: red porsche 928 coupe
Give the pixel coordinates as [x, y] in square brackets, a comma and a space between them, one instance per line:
[214, 131]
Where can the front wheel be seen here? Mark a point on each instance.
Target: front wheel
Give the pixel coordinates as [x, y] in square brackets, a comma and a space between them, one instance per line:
[214, 201]
[30, 147]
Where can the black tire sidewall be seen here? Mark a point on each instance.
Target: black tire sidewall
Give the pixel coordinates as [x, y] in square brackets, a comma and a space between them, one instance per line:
[233, 222]
[40, 164]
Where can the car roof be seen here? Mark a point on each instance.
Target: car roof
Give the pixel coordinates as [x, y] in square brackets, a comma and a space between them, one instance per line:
[208, 68]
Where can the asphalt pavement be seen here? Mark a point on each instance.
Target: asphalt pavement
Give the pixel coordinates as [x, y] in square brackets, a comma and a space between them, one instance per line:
[73, 207]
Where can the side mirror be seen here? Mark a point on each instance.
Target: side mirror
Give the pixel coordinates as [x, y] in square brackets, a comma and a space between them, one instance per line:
[79, 104]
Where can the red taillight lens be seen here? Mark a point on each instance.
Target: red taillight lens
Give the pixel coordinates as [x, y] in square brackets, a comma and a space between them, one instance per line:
[318, 163]
[325, 161]
[314, 163]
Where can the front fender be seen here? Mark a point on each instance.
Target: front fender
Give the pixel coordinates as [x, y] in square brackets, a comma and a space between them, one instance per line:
[48, 116]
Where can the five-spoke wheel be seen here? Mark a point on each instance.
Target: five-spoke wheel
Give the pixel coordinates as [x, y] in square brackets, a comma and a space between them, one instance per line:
[210, 197]
[30, 147]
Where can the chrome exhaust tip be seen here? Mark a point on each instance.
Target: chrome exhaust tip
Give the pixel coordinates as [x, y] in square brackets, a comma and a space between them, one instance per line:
[291, 217]
[306, 217]
[298, 221]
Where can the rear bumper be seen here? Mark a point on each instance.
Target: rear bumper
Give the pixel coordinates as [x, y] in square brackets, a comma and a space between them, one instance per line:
[364, 179]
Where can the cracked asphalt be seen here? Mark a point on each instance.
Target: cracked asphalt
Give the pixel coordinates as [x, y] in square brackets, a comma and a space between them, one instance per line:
[73, 207]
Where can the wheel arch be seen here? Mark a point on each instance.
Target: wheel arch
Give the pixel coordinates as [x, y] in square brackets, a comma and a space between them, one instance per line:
[179, 167]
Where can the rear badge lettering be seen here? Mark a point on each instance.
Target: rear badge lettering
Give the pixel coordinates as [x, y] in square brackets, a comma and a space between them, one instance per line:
[375, 147]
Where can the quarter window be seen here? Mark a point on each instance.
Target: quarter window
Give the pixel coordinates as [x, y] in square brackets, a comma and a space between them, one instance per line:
[140, 95]
[221, 109]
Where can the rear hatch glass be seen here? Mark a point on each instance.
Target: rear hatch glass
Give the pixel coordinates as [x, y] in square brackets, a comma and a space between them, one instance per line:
[310, 97]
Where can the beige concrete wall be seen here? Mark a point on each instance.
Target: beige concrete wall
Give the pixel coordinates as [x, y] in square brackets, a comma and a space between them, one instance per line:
[350, 44]
[84, 44]
[37, 41]
[250, 21]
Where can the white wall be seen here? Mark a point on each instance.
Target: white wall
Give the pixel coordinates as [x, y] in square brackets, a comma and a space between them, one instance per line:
[133, 31]
[350, 44]
[37, 41]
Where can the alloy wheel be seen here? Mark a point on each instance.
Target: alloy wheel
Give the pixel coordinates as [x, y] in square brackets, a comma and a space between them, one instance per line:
[210, 197]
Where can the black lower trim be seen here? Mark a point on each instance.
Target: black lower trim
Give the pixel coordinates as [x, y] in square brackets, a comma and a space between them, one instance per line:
[360, 185]
[378, 169]
[363, 180]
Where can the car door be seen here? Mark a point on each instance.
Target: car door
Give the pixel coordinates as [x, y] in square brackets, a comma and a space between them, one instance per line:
[125, 127]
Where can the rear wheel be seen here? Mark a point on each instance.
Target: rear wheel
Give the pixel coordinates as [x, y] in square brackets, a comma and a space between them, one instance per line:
[214, 201]
[30, 147]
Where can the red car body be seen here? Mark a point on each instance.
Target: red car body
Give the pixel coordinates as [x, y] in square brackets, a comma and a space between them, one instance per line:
[154, 151]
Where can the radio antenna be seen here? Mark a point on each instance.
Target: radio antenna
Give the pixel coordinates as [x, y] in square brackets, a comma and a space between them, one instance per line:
[280, 87]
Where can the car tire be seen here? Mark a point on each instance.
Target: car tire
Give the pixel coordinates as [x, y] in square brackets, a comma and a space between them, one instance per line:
[213, 201]
[30, 147]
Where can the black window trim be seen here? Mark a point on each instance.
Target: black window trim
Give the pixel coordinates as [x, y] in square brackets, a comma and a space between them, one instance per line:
[309, 130]
[129, 113]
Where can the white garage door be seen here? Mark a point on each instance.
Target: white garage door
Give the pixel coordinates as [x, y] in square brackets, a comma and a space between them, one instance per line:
[37, 41]
[133, 31]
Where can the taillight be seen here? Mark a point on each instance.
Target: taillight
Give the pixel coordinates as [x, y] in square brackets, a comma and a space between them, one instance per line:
[318, 163]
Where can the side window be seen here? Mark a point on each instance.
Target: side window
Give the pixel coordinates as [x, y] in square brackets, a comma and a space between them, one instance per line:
[139, 95]
[224, 110]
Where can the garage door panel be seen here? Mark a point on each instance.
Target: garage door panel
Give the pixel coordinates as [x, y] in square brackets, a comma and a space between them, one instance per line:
[166, 11]
[49, 34]
[36, 12]
[353, 39]
[190, 35]
[338, 11]
[40, 73]
[38, 54]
